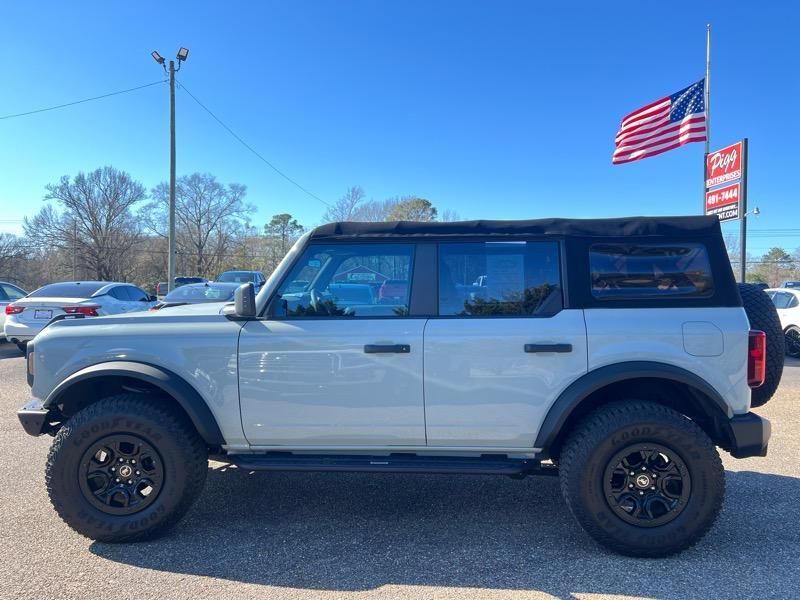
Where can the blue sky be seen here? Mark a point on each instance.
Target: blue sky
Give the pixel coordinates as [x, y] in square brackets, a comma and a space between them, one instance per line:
[494, 110]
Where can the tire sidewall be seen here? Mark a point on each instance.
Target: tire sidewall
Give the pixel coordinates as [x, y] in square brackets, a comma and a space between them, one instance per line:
[699, 511]
[66, 469]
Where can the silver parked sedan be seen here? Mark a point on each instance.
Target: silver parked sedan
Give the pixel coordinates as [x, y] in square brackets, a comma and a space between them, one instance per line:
[24, 318]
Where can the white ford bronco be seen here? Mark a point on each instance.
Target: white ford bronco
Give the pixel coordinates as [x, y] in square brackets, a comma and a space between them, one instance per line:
[614, 353]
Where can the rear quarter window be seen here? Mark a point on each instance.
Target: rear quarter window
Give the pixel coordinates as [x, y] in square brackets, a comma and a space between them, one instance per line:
[650, 270]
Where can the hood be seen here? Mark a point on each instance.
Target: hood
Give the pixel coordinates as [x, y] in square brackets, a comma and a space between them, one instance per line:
[211, 311]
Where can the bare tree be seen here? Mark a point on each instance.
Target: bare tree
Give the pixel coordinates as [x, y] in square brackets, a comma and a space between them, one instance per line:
[207, 215]
[96, 227]
[11, 254]
[448, 216]
[345, 207]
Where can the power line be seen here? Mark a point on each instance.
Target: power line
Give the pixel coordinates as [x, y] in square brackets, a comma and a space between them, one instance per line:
[246, 145]
[40, 110]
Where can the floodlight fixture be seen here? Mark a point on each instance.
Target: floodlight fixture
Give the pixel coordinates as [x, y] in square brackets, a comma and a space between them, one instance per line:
[157, 57]
[183, 54]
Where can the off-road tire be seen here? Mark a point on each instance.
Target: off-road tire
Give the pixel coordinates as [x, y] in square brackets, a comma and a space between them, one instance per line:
[593, 444]
[763, 316]
[181, 451]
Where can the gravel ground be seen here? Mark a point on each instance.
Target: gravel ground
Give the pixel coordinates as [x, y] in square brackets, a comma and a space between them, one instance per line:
[393, 536]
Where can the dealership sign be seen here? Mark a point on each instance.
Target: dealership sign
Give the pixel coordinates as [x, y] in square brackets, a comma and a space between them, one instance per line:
[724, 201]
[726, 182]
[724, 165]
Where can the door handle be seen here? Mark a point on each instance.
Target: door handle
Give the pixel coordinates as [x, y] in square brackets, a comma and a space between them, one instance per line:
[387, 349]
[561, 348]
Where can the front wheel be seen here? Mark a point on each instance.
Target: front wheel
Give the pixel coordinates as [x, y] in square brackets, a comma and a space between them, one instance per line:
[642, 479]
[125, 468]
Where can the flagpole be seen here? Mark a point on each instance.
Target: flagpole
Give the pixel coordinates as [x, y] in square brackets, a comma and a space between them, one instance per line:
[707, 101]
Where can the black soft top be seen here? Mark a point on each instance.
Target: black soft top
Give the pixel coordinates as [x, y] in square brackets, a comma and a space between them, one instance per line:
[619, 227]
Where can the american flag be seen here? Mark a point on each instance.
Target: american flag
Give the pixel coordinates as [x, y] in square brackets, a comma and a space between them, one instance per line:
[663, 125]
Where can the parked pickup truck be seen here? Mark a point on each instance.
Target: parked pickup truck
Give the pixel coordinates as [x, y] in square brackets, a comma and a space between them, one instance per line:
[616, 354]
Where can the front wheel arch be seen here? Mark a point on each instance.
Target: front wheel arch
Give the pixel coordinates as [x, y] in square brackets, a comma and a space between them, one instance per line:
[102, 380]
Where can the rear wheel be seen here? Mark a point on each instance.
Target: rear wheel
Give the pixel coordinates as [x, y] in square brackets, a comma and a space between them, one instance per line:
[642, 479]
[792, 340]
[762, 316]
[125, 468]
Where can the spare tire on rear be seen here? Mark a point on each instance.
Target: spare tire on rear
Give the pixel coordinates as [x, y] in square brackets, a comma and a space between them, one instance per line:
[763, 316]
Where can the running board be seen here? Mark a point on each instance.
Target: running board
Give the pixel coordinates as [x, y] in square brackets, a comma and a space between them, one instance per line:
[486, 464]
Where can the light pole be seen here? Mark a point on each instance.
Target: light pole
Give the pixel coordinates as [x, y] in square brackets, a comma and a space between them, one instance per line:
[182, 55]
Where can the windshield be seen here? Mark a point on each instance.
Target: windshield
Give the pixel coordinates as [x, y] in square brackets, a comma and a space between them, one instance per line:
[237, 277]
[69, 289]
[201, 293]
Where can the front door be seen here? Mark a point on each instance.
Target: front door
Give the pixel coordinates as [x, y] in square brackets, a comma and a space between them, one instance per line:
[503, 347]
[338, 363]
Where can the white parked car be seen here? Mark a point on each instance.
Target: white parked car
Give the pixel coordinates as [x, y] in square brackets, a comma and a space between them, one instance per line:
[27, 316]
[8, 294]
[787, 303]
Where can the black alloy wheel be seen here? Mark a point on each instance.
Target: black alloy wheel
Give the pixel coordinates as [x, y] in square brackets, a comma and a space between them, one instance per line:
[792, 340]
[121, 474]
[647, 485]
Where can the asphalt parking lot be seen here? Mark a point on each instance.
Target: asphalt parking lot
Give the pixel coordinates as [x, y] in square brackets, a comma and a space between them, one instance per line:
[394, 536]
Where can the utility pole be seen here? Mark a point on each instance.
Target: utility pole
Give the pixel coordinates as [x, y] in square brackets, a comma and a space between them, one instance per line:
[183, 54]
[171, 243]
[743, 222]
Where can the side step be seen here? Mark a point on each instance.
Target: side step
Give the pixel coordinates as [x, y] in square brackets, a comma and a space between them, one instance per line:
[488, 464]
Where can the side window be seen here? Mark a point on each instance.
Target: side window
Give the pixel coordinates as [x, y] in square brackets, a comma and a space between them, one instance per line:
[782, 300]
[136, 294]
[118, 293]
[793, 303]
[499, 279]
[12, 292]
[353, 280]
[650, 270]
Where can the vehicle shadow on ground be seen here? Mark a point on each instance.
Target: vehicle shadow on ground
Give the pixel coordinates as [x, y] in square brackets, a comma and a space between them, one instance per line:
[9, 350]
[352, 532]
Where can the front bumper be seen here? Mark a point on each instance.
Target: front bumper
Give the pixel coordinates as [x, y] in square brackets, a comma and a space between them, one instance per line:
[749, 435]
[36, 419]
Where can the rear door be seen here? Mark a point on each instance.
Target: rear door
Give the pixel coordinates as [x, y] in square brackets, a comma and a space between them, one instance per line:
[116, 301]
[139, 300]
[503, 346]
[333, 366]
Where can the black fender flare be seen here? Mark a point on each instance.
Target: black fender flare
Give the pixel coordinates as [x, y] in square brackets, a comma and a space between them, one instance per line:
[175, 386]
[599, 378]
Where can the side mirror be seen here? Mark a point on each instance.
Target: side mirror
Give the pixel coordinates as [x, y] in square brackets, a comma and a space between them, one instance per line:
[244, 299]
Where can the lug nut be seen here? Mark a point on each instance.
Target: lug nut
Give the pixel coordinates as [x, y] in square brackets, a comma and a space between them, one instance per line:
[630, 485]
[117, 480]
[632, 473]
[641, 493]
[654, 475]
[652, 487]
[121, 460]
[133, 461]
[129, 482]
[137, 472]
[644, 468]
[113, 469]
